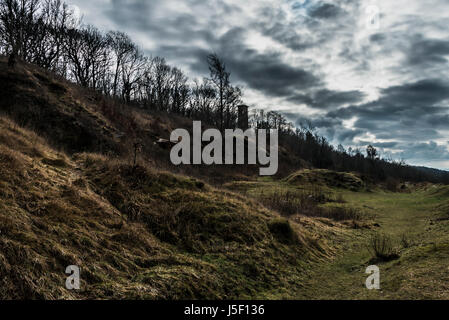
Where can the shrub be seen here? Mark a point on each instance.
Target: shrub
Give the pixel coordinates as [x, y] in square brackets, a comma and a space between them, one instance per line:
[392, 185]
[381, 246]
[283, 231]
[289, 202]
[340, 198]
[406, 242]
[343, 213]
[307, 203]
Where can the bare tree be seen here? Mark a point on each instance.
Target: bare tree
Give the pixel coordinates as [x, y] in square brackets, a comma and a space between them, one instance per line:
[87, 52]
[122, 46]
[202, 101]
[50, 30]
[162, 74]
[179, 91]
[132, 71]
[371, 152]
[220, 78]
[233, 98]
[17, 21]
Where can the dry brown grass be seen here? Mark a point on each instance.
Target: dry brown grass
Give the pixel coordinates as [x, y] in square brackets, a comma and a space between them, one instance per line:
[71, 194]
[75, 120]
[308, 202]
[136, 232]
[327, 178]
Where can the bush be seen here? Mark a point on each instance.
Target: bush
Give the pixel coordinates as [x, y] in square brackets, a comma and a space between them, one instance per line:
[342, 213]
[283, 231]
[307, 203]
[340, 198]
[288, 203]
[392, 185]
[381, 246]
[406, 242]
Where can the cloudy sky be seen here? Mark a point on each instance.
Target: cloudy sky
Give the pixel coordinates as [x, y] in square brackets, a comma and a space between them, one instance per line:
[362, 71]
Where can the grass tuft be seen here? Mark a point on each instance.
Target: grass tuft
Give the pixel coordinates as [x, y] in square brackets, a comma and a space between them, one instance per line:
[382, 247]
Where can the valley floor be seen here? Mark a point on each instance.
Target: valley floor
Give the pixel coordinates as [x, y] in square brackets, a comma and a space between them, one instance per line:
[416, 222]
[419, 229]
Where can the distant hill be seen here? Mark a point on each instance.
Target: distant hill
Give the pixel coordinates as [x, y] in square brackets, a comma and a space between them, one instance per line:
[435, 172]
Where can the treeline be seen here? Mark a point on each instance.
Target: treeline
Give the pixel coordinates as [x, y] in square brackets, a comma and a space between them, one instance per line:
[315, 149]
[48, 34]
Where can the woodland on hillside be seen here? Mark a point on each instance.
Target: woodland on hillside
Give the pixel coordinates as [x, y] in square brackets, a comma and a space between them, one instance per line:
[47, 33]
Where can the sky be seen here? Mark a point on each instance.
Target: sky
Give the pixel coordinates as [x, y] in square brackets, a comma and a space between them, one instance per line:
[360, 71]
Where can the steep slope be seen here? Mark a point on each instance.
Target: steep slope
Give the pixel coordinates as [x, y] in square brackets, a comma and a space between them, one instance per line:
[136, 232]
[75, 119]
[34, 99]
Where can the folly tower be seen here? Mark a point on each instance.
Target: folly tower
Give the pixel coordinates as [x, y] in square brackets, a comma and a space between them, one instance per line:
[242, 111]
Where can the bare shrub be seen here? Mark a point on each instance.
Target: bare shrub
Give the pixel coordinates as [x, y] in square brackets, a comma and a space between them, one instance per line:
[307, 203]
[343, 213]
[406, 242]
[293, 202]
[382, 247]
[392, 185]
[340, 198]
[282, 231]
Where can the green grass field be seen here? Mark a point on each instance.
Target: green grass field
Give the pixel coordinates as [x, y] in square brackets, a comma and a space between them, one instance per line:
[416, 221]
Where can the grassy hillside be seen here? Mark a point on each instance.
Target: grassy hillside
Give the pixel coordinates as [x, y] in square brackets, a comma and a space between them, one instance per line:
[137, 232]
[70, 194]
[73, 119]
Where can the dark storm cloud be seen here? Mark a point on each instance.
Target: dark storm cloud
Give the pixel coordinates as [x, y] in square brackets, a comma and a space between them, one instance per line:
[325, 11]
[326, 99]
[141, 16]
[426, 150]
[408, 101]
[378, 37]
[440, 120]
[406, 113]
[428, 51]
[348, 135]
[286, 51]
[274, 24]
[287, 35]
[317, 122]
[379, 144]
[265, 72]
[422, 93]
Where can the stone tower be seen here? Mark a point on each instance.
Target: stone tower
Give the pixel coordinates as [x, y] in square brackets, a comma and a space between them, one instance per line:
[243, 117]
